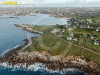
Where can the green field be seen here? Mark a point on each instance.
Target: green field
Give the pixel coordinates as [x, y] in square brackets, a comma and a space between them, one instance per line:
[90, 45]
[97, 33]
[76, 51]
[81, 41]
[96, 19]
[83, 31]
[48, 42]
[89, 42]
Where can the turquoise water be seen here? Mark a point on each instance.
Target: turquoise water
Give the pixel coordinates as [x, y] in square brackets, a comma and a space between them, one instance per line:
[11, 36]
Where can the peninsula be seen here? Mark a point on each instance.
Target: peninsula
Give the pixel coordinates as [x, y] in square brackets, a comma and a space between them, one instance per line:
[32, 52]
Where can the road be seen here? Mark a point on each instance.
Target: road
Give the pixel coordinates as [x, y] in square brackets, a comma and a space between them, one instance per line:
[29, 43]
[81, 47]
[87, 49]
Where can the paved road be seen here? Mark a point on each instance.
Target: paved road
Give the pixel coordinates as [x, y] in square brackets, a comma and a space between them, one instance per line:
[29, 43]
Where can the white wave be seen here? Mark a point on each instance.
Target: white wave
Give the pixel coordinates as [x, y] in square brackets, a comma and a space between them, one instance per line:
[4, 64]
[41, 67]
[36, 67]
[13, 70]
[33, 67]
[67, 70]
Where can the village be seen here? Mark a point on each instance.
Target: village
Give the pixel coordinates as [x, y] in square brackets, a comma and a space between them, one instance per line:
[67, 45]
[82, 32]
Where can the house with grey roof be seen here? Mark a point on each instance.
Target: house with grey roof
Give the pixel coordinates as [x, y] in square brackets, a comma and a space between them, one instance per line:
[96, 42]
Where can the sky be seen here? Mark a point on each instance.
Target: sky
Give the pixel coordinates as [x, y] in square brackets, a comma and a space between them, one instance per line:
[48, 1]
[62, 3]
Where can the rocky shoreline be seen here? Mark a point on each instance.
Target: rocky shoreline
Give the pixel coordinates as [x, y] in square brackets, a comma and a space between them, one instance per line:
[28, 29]
[16, 56]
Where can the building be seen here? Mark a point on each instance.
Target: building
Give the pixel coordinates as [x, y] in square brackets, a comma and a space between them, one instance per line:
[75, 39]
[69, 38]
[93, 37]
[97, 42]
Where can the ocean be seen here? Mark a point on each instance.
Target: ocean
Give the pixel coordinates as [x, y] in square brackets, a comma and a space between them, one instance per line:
[11, 36]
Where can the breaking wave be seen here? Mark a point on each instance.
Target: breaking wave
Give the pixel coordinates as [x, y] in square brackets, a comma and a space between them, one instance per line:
[38, 69]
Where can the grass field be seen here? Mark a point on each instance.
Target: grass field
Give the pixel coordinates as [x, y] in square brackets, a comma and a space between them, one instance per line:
[97, 33]
[81, 41]
[89, 42]
[76, 51]
[55, 46]
[83, 31]
[90, 45]
[97, 19]
[49, 42]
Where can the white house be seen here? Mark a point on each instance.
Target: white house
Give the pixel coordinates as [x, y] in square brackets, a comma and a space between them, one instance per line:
[70, 29]
[97, 42]
[93, 37]
[97, 30]
[63, 30]
[75, 39]
[69, 38]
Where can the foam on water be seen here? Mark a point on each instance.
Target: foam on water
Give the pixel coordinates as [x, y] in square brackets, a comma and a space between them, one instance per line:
[41, 68]
[14, 38]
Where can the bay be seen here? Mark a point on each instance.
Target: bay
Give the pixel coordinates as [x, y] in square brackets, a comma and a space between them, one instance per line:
[11, 36]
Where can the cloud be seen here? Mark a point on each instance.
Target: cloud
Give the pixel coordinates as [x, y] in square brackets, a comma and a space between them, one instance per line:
[74, 3]
[38, 1]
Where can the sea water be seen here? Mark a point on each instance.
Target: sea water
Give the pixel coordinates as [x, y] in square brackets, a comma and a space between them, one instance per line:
[11, 36]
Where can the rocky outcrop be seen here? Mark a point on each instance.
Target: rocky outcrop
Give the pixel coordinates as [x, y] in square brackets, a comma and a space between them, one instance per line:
[27, 28]
[52, 62]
